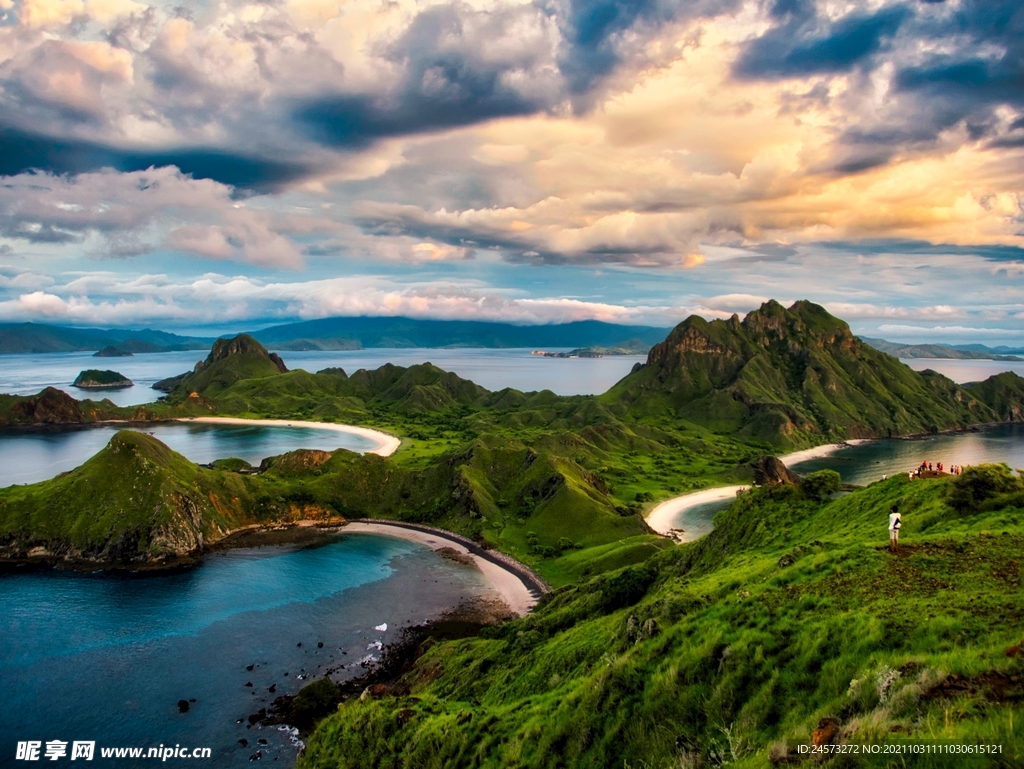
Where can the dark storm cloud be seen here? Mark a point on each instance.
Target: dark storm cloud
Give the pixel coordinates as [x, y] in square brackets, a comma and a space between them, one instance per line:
[452, 76]
[805, 44]
[602, 35]
[972, 64]
[22, 151]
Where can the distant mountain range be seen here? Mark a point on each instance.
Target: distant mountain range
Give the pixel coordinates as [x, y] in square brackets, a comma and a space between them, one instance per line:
[370, 332]
[341, 334]
[356, 333]
[956, 351]
[40, 338]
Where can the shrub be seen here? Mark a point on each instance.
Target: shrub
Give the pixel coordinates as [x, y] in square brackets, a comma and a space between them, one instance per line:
[979, 483]
[627, 587]
[818, 486]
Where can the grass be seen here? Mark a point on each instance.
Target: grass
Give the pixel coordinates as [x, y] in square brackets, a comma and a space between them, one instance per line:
[729, 650]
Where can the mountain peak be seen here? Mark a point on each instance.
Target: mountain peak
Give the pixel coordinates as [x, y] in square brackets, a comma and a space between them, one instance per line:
[791, 376]
[239, 345]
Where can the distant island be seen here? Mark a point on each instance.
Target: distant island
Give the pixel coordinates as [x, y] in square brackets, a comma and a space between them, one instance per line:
[632, 347]
[571, 354]
[334, 334]
[94, 379]
[112, 352]
[946, 351]
[586, 339]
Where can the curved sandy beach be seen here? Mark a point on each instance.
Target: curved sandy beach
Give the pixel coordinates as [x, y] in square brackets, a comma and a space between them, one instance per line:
[663, 516]
[386, 444]
[513, 591]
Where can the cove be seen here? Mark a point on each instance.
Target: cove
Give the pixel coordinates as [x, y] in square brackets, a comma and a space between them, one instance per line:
[106, 657]
[866, 462]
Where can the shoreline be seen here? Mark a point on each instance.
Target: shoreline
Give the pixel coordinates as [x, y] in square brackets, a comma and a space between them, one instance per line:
[517, 587]
[662, 515]
[386, 444]
[513, 586]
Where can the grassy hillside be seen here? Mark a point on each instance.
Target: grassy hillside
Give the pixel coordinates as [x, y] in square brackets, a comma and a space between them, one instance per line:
[792, 377]
[230, 361]
[135, 500]
[1003, 393]
[732, 649]
[53, 406]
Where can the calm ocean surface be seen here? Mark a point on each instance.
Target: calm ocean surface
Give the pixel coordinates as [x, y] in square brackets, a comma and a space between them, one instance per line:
[107, 657]
[493, 369]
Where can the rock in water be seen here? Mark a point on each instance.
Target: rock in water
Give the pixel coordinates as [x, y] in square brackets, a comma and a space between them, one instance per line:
[183, 706]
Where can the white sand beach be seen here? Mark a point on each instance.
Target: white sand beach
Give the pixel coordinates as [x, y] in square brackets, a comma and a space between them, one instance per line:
[818, 451]
[511, 589]
[386, 444]
[664, 515]
[662, 518]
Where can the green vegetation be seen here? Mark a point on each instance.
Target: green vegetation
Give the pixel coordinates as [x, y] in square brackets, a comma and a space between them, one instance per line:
[96, 379]
[731, 649]
[791, 377]
[728, 650]
[135, 500]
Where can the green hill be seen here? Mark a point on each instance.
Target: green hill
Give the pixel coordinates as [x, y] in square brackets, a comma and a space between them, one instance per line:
[1003, 393]
[229, 361]
[55, 407]
[134, 501]
[734, 649]
[790, 377]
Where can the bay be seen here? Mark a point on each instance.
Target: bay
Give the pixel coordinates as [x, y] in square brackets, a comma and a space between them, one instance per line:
[864, 463]
[107, 657]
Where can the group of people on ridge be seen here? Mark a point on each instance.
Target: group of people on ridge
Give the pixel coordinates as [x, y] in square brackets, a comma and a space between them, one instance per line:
[938, 468]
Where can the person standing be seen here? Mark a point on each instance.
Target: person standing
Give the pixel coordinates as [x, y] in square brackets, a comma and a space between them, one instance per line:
[895, 524]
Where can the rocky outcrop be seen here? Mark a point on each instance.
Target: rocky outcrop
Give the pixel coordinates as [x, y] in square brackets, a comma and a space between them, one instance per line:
[772, 470]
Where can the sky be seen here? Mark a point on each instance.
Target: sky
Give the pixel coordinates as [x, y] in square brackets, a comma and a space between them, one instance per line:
[229, 165]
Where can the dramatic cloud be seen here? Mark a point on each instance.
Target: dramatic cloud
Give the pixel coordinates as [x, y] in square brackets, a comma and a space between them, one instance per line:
[868, 155]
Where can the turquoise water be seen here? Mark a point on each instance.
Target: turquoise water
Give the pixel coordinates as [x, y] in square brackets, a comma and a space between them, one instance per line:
[31, 455]
[106, 657]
